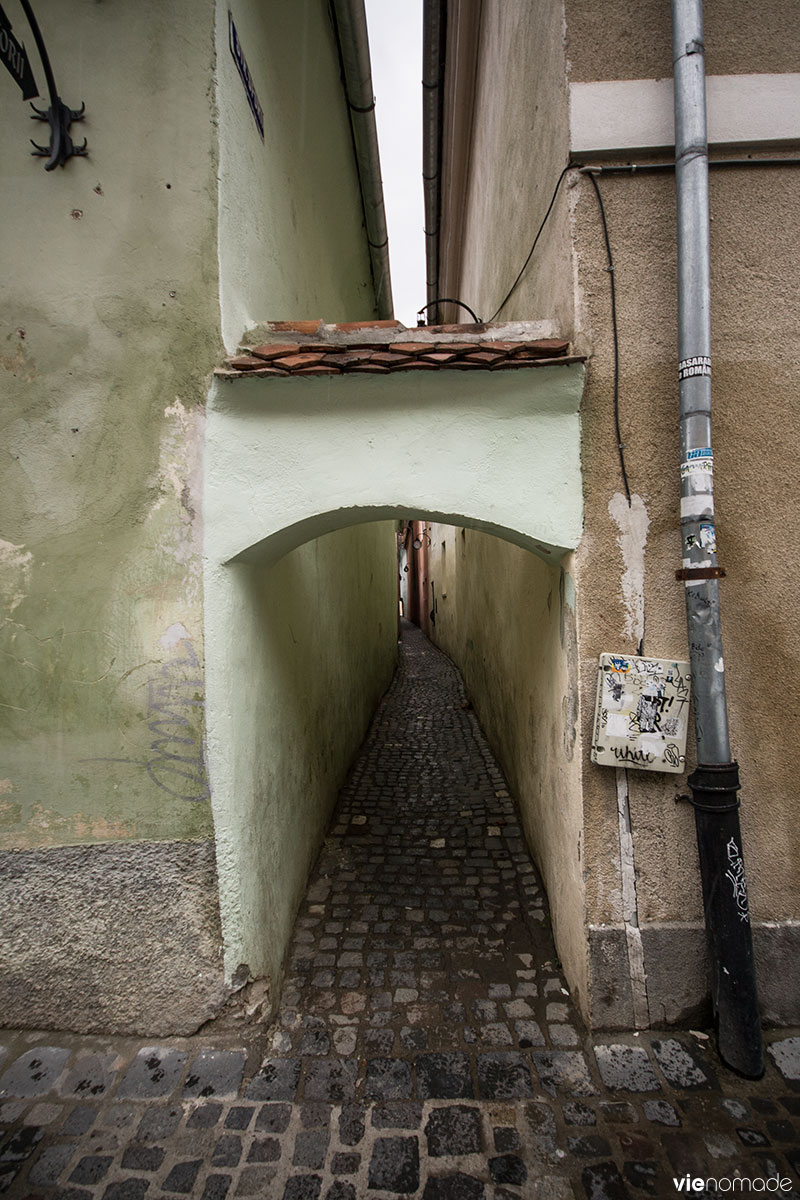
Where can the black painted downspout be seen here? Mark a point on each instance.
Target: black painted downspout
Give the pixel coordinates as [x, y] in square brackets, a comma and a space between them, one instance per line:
[715, 782]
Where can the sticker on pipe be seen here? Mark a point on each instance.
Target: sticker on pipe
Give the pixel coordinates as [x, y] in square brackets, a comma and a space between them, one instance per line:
[642, 713]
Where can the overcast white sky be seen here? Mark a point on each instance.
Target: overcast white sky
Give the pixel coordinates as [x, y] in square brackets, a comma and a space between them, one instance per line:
[395, 40]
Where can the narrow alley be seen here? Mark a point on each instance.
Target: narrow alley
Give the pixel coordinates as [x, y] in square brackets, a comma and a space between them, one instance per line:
[426, 1044]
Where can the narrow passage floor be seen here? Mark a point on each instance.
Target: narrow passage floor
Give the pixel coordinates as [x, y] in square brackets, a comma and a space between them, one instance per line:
[426, 1044]
[423, 947]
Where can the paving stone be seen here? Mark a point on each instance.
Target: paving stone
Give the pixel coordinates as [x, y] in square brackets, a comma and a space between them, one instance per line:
[351, 1124]
[503, 1076]
[276, 1080]
[215, 1073]
[22, 1144]
[455, 1129]
[315, 1116]
[454, 1187]
[143, 1158]
[785, 1054]
[679, 1065]
[272, 1118]
[331, 1079]
[642, 1175]
[50, 1165]
[154, 1072]
[397, 1115]
[564, 1069]
[589, 1146]
[394, 1164]
[603, 1181]
[387, 1079]
[660, 1112]
[302, 1187]
[182, 1176]
[239, 1117]
[126, 1189]
[506, 1139]
[576, 1113]
[91, 1168]
[217, 1187]
[227, 1151]
[158, 1123]
[264, 1150]
[508, 1168]
[444, 1077]
[205, 1116]
[93, 1075]
[626, 1068]
[343, 1163]
[339, 1190]
[310, 1148]
[34, 1073]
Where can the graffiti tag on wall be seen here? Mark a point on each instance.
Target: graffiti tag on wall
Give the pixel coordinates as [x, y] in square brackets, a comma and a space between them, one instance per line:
[175, 760]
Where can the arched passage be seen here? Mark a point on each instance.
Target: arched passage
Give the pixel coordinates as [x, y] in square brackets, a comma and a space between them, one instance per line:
[306, 481]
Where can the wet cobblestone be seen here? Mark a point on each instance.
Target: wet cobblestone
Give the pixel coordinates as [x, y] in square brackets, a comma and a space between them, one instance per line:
[426, 1044]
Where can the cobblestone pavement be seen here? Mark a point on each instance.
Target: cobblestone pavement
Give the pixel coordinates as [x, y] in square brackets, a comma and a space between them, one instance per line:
[427, 1045]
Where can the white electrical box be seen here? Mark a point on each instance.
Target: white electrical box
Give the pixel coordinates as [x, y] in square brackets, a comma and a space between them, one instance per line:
[642, 713]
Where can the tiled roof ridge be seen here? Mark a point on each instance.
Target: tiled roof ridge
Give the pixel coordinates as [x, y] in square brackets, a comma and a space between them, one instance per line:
[382, 347]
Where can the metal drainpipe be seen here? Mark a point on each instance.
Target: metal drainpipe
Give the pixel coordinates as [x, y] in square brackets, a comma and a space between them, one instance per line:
[715, 782]
[351, 32]
[434, 23]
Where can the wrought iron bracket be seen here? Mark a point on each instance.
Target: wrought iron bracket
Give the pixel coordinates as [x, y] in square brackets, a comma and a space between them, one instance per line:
[59, 116]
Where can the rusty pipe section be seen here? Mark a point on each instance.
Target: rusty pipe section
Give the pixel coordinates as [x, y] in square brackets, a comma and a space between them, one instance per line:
[715, 783]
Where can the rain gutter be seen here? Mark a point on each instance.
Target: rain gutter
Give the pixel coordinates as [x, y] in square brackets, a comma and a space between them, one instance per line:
[350, 22]
[715, 781]
[434, 25]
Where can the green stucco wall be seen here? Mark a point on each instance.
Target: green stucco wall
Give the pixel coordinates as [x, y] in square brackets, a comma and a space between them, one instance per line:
[299, 653]
[291, 243]
[107, 334]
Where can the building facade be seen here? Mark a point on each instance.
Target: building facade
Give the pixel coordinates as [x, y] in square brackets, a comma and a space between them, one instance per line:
[528, 92]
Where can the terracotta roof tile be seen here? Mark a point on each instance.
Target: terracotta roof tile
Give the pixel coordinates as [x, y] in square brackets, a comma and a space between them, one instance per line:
[348, 348]
[269, 352]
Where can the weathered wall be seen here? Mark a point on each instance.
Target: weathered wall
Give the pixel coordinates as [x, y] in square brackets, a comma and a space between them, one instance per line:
[108, 333]
[299, 653]
[517, 148]
[507, 620]
[290, 205]
[110, 336]
[624, 570]
[756, 357]
[299, 650]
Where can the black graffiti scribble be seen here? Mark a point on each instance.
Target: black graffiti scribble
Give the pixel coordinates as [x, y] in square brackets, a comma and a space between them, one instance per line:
[176, 764]
[628, 754]
[672, 755]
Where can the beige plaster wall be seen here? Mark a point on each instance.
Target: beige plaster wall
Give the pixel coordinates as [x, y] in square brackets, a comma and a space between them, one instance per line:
[756, 355]
[506, 618]
[520, 87]
[624, 40]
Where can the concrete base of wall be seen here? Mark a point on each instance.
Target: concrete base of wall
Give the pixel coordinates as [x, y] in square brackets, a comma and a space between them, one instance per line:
[677, 983]
[117, 938]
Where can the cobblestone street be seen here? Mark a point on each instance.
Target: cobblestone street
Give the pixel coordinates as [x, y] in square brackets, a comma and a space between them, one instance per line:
[426, 1044]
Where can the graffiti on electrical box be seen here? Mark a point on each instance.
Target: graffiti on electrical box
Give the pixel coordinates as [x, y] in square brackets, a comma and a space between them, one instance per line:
[642, 713]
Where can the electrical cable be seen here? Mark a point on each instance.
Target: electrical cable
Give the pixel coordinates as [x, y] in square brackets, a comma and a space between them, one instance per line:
[513, 287]
[615, 332]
